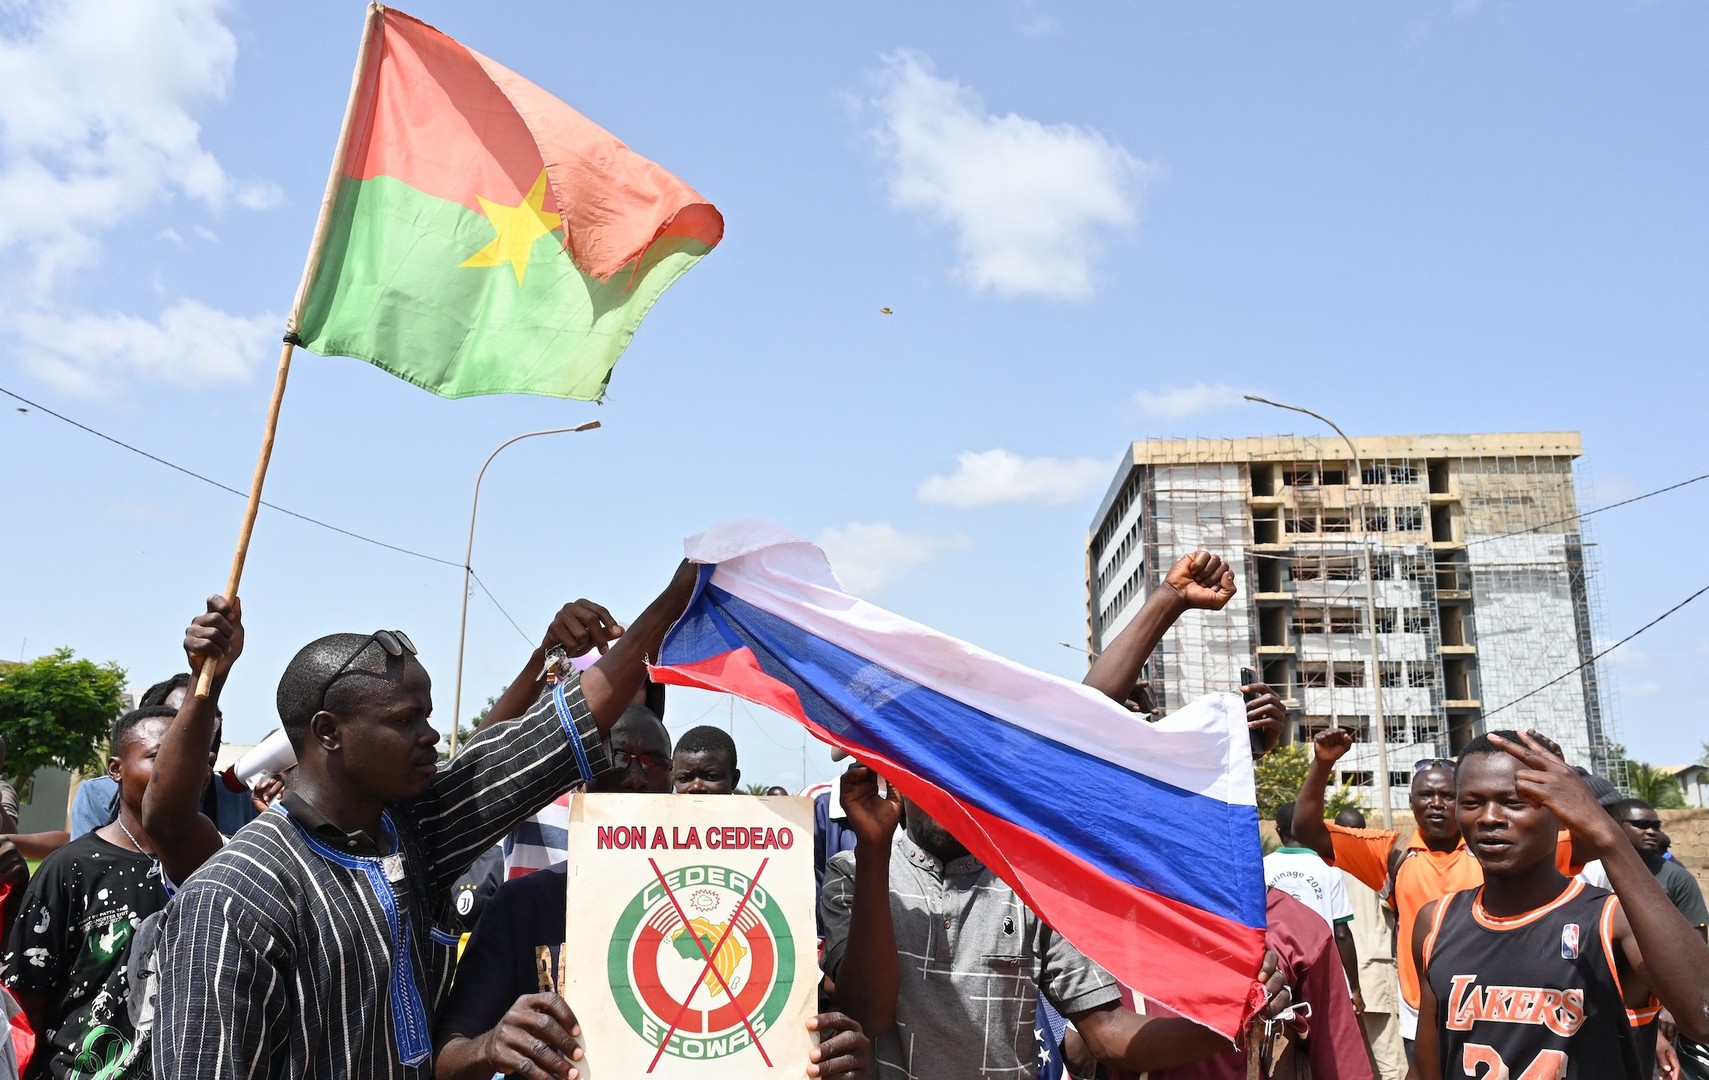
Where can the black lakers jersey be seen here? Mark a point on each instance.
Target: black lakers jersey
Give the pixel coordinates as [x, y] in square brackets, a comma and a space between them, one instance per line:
[1530, 997]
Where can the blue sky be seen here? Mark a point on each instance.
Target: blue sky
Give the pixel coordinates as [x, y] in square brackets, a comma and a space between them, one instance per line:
[1093, 223]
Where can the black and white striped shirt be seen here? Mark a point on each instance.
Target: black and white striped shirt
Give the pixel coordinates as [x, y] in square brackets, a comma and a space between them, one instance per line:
[285, 957]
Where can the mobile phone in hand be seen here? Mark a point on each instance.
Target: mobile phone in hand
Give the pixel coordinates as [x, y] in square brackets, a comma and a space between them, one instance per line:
[1247, 678]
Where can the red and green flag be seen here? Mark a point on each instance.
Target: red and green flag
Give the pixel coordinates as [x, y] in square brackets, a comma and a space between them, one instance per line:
[478, 235]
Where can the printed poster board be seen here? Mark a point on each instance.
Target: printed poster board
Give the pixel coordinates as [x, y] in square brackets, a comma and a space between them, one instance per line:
[693, 950]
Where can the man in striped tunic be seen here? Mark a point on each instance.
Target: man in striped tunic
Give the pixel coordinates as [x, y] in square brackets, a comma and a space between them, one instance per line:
[312, 945]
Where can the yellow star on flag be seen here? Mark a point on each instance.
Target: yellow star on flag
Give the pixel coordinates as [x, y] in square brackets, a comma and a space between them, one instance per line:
[517, 228]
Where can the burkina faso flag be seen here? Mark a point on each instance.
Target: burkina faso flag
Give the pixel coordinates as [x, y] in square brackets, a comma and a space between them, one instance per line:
[480, 236]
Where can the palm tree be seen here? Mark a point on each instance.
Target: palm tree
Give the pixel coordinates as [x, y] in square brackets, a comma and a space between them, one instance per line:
[1655, 787]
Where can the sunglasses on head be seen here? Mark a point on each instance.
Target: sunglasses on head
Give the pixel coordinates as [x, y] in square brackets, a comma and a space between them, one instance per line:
[1422, 764]
[1644, 823]
[621, 759]
[395, 642]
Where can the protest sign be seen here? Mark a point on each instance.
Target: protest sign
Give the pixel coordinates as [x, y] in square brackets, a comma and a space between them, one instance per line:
[690, 919]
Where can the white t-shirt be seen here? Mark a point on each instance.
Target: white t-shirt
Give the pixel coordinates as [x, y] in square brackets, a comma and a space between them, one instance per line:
[1594, 874]
[1300, 873]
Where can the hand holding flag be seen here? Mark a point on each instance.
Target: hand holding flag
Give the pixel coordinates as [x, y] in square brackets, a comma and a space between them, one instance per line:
[1141, 847]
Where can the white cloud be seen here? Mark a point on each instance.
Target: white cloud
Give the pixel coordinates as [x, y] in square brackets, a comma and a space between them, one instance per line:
[997, 476]
[259, 195]
[866, 558]
[93, 356]
[1183, 401]
[96, 123]
[1030, 203]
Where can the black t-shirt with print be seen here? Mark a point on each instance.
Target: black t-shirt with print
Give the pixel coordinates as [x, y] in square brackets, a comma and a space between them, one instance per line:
[470, 894]
[77, 917]
[517, 949]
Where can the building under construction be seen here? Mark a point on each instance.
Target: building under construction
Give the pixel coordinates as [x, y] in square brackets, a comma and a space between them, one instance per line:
[1478, 581]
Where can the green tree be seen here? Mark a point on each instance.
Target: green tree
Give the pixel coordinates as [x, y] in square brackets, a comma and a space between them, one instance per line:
[466, 730]
[755, 789]
[58, 710]
[1703, 758]
[1281, 774]
[1655, 787]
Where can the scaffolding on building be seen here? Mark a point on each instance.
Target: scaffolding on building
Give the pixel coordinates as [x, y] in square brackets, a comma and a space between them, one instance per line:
[1484, 578]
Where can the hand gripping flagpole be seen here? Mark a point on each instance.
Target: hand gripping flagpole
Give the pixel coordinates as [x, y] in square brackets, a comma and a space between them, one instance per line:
[205, 679]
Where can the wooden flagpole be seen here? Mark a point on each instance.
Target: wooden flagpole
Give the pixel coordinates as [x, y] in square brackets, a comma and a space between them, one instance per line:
[205, 678]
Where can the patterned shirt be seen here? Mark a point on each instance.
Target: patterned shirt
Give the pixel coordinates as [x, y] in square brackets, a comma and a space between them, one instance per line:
[539, 840]
[290, 954]
[973, 958]
[70, 936]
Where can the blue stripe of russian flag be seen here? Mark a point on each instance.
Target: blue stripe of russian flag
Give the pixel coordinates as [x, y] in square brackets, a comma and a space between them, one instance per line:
[1153, 881]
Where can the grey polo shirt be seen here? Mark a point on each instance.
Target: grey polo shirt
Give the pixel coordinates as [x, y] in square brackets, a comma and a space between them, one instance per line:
[1681, 888]
[973, 959]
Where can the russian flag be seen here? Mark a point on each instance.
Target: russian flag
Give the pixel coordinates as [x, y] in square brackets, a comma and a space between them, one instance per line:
[1137, 841]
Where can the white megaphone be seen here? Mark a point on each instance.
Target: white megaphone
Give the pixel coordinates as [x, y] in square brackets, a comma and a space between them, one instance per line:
[270, 757]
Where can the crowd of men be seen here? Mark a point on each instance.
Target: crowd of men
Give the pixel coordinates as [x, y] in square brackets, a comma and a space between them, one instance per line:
[380, 913]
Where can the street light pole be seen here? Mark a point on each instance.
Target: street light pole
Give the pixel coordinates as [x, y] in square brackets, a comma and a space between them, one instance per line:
[1370, 612]
[468, 568]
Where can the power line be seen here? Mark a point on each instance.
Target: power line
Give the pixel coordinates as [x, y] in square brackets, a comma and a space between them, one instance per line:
[226, 487]
[1590, 513]
[272, 506]
[477, 580]
[1599, 655]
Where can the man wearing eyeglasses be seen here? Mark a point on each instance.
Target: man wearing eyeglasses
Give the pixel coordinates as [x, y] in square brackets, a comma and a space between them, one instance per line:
[1639, 821]
[312, 945]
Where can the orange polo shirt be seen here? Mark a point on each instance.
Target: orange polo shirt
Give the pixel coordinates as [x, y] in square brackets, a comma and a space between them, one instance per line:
[1424, 877]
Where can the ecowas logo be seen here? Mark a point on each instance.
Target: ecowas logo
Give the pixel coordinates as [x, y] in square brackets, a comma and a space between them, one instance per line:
[680, 970]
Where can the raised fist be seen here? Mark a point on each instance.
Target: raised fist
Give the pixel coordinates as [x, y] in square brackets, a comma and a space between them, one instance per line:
[1329, 746]
[1201, 580]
